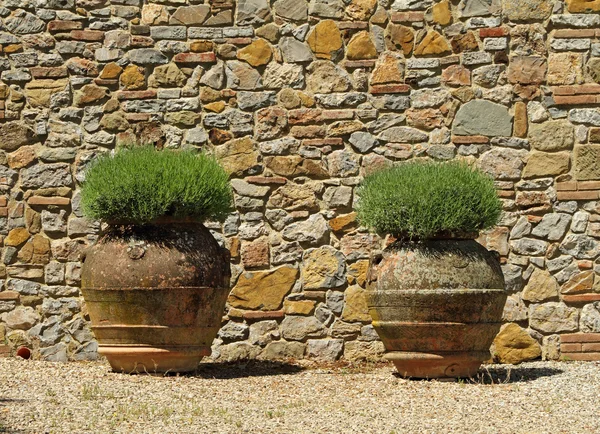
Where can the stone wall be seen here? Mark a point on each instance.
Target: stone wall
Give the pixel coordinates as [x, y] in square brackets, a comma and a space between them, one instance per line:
[300, 100]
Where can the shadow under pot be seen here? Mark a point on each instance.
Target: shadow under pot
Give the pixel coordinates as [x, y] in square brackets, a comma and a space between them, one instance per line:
[437, 305]
[156, 295]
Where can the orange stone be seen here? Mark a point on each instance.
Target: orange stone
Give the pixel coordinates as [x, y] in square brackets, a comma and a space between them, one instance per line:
[325, 39]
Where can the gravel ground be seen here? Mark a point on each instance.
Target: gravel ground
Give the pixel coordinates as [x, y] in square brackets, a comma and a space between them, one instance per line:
[540, 397]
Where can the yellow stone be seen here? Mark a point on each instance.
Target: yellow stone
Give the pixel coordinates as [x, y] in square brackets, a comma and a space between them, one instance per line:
[441, 13]
[38, 92]
[133, 78]
[399, 37]
[541, 286]
[16, 237]
[576, 6]
[201, 46]
[514, 345]
[216, 107]
[389, 69]
[325, 39]
[258, 53]
[300, 307]
[432, 43]
[323, 268]
[306, 99]
[361, 10]
[355, 306]
[263, 289]
[541, 164]
[344, 223]
[111, 71]
[237, 156]
[361, 47]
[357, 272]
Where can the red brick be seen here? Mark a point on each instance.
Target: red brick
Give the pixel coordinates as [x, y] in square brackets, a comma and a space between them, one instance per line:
[359, 63]
[137, 117]
[106, 82]
[590, 348]
[566, 186]
[585, 264]
[575, 33]
[493, 32]
[136, 94]
[3, 211]
[3, 201]
[390, 88]
[1, 104]
[265, 180]
[335, 115]
[49, 72]
[588, 185]
[9, 295]
[577, 195]
[304, 116]
[580, 337]
[48, 200]
[570, 347]
[506, 194]
[195, 58]
[576, 90]
[141, 42]
[238, 41]
[4, 351]
[470, 139]
[323, 142]
[352, 25]
[575, 99]
[581, 298]
[308, 132]
[260, 315]
[88, 35]
[61, 26]
[588, 357]
[407, 17]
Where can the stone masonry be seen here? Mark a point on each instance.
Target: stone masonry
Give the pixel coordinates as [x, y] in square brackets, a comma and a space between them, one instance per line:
[299, 100]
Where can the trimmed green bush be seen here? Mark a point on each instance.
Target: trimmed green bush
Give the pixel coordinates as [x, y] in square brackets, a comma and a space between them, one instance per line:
[140, 184]
[423, 199]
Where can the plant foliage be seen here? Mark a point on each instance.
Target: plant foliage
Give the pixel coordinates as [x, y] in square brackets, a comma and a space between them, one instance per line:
[423, 199]
[140, 184]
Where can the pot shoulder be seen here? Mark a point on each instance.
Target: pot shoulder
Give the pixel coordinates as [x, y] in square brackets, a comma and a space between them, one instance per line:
[436, 264]
[160, 256]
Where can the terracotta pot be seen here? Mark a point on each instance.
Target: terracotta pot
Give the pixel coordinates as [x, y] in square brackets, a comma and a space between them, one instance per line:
[436, 305]
[155, 295]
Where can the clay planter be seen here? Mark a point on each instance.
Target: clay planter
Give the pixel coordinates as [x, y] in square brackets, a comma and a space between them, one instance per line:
[156, 296]
[436, 305]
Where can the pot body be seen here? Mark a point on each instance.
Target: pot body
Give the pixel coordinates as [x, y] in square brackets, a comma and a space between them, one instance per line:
[436, 305]
[156, 295]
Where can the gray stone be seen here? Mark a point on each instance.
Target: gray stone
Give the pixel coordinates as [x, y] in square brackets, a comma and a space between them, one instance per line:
[14, 135]
[190, 15]
[336, 100]
[285, 145]
[328, 350]
[295, 10]
[255, 100]
[404, 5]
[285, 252]
[237, 351]
[580, 246]
[557, 264]
[475, 8]
[576, 20]
[471, 58]
[590, 318]
[23, 287]
[521, 229]
[514, 309]
[527, 10]
[426, 98]
[301, 328]
[570, 44]
[484, 118]
[242, 76]
[55, 353]
[580, 221]
[335, 301]
[403, 135]
[312, 231]
[338, 197]
[326, 8]
[244, 188]
[552, 136]
[553, 317]
[529, 246]
[282, 350]
[551, 347]
[277, 76]
[326, 77]
[22, 23]
[263, 332]
[53, 223]
[147, 56]
[143, 106]
[233, 331]
[343, 163]
[22, 318]
[386, 121]
[585, 116]
[295, 51]
[487, 76]
[168, 32]
[363, 141]
[215, 76]
[251, 12]
[552, 227]
[324, 315]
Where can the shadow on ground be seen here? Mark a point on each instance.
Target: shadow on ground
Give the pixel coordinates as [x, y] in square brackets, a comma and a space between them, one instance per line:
[504, 375]
[247, 368]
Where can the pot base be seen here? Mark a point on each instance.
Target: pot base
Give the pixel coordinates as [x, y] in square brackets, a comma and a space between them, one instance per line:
[441, 365]
[132, 360]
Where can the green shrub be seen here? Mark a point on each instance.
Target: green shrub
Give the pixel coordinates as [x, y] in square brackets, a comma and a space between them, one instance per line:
[140, 184]
[424, 199]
